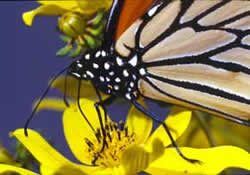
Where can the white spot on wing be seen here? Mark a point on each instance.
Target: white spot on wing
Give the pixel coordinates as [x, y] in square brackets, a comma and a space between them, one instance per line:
[106, 66]
[118, 80]
[77, 75]
[128, 96]
[119, 61]
[134, 77]
[96, 66]
[125, 73]
[152, 11]
[87, 56]
[102, 79]
[142, 71]
[111, 73]
[107, 79]
[116, 87]
[90, 74]
[133, 61]
[98, 54]
[103, 53]
[79, 65]
[131, 84]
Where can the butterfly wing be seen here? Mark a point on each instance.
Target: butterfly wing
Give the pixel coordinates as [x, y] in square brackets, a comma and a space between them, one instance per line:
[131, 11]
[122, 14]
[197, 54]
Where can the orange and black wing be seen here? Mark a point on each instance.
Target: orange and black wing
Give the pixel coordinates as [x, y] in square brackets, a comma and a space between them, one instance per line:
[122, 14]
[131, 11]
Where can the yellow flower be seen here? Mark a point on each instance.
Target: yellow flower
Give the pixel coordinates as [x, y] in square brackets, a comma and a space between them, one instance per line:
[130, 139]
[130, 149]
[55, 8]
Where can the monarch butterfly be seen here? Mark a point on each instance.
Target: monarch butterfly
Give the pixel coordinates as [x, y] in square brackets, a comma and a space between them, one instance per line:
[193, 53]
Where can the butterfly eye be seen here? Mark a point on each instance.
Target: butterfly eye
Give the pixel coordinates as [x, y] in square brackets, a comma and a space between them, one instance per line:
[71, 24]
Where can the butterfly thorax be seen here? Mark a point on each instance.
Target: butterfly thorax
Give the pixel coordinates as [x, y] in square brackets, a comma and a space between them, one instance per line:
[110, 73]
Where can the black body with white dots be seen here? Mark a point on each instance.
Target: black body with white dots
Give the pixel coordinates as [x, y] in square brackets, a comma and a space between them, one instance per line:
[111, 74]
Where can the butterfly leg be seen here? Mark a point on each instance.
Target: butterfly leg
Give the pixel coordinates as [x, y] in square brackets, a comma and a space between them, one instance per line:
[203, 122]
[103, 104]
[97, 107]
[65, 90]
[156, 119]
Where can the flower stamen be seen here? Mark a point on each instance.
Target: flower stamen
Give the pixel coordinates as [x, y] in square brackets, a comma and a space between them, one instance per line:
[116, 141]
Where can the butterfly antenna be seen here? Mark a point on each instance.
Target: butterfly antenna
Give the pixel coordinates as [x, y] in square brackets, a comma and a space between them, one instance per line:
[41, 99]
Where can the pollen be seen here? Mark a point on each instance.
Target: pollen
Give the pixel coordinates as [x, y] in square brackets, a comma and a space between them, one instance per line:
[117, 139]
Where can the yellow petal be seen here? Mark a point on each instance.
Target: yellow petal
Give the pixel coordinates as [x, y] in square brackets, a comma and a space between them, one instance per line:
[107, 171]
[139, 124]
[213, 161]
[52, 161]
[54, 8]
[177, 121]
[67, 5]
[53, 104]
[45, 170]
[12, 169]
[136, 159]
[87, 90]
[39, 148]
[47, 10]
[94, 5]
[68, 170]
[76, 129]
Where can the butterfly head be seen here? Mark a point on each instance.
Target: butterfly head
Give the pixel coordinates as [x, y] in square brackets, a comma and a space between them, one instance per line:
[89, 65]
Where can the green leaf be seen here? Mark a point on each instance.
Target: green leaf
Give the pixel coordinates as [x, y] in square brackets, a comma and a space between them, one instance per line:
[97, 31]
[98, 19]
[91, 41]
[76, 52]
[65, 50]
[65, 39]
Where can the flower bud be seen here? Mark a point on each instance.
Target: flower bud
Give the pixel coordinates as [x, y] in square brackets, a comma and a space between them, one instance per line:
[72, 24]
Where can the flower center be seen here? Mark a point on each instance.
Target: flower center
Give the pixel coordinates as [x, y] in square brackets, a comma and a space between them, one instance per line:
[117, 139]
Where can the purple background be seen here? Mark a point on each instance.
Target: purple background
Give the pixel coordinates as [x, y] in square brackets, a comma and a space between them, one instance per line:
[27, 62]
